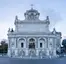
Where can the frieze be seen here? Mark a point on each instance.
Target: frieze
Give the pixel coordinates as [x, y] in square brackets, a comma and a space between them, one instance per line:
[31, 22]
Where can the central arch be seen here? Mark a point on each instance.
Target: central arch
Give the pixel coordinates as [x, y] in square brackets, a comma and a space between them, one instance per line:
[31, 43]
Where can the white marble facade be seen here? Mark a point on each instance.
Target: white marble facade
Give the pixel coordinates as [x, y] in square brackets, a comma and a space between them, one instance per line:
[32, 37]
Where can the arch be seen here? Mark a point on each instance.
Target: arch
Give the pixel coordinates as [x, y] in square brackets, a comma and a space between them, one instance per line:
[42, 39]
[21, 42]
[31, 39]
[20, 39]
[41, 43]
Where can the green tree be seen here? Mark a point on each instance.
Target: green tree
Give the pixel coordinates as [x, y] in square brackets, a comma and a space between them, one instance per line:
[64, 45]
[3, 47]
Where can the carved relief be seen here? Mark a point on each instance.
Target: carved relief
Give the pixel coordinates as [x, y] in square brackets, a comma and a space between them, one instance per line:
[12, 42]
[50, 43]
[32, 53]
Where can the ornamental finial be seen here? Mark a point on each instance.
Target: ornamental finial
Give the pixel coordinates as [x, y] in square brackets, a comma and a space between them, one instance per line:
[47, 18]
[16, 17]
[32, 6]
[9, 30]
[54, 30]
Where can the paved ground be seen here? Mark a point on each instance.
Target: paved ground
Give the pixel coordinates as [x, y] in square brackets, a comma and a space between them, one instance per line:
[6, 60]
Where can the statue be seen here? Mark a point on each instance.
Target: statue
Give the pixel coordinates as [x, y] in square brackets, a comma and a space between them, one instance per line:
[16, 18]
[54, 31]
[9, 30]
[12, 30]
[47, 18]
[32, 6]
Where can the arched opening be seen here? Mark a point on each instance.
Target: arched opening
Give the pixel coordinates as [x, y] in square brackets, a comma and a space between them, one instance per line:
[31, 43]
[42, 43]
[22, 45]
[21, 42]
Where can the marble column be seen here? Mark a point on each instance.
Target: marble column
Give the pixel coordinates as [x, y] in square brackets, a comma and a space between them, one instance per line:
[9, 52]
[16, 52]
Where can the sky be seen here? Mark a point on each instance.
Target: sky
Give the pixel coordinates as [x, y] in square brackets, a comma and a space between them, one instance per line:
[55, 9]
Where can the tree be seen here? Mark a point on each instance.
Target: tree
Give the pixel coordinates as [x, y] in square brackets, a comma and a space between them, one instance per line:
[64, 46]
[3, 47]
[64, 43]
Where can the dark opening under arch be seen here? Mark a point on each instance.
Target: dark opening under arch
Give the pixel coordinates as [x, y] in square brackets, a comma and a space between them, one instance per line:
[31, 43]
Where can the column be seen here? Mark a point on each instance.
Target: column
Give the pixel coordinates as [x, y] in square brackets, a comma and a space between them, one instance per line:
[36, 46]
[47, 46]
[54, 52]
[26, 49]
[47, 42]
[9, 52]
[16, 52]
[16, 43]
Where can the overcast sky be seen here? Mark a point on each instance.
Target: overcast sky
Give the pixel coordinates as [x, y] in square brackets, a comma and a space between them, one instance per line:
[56, 9]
